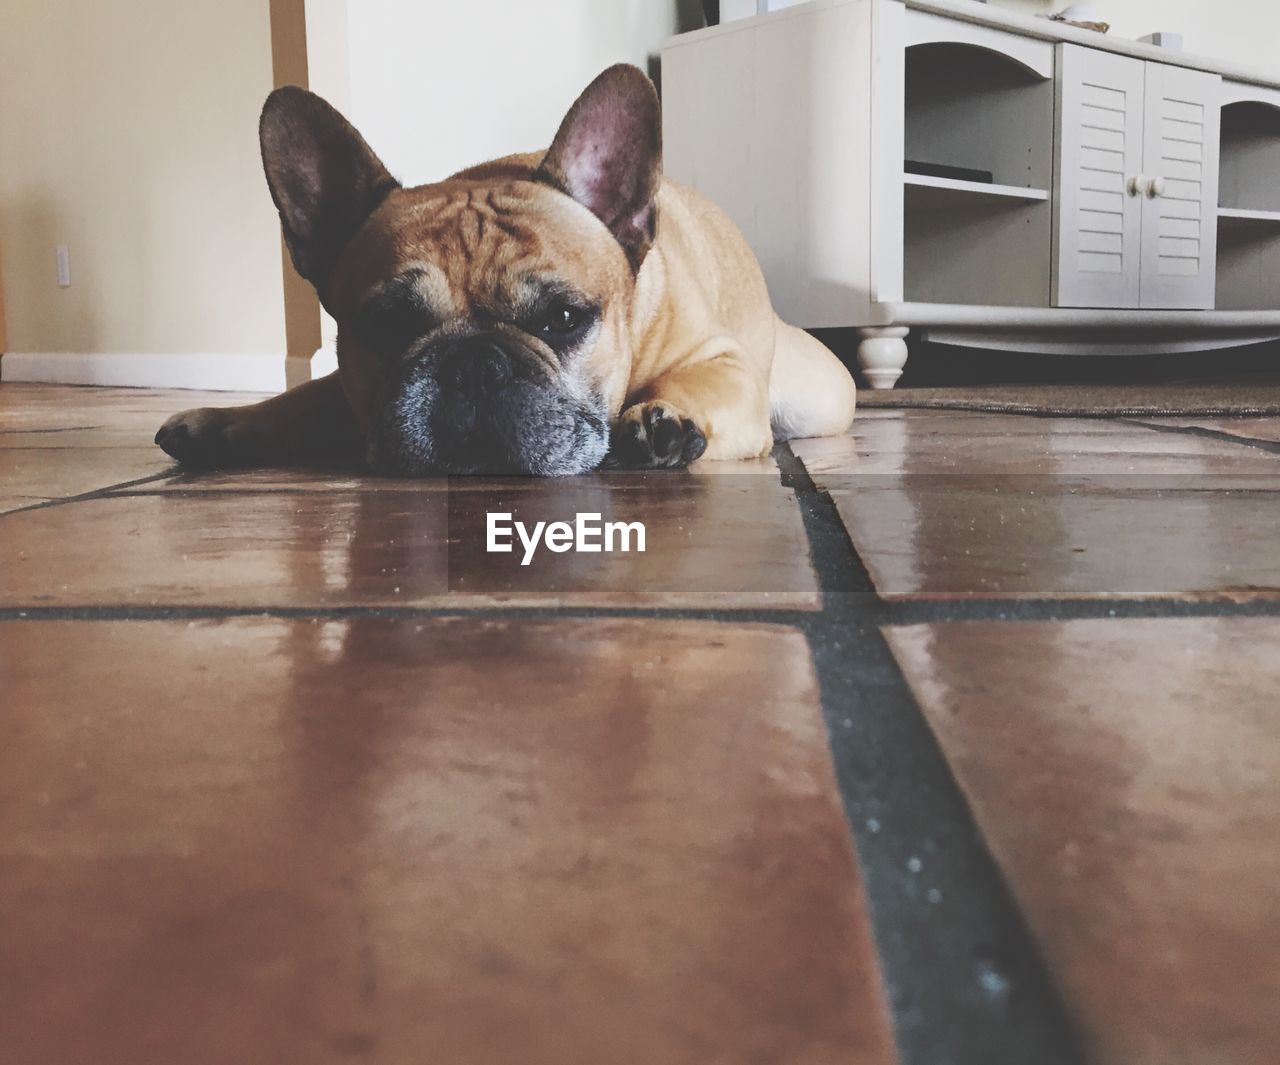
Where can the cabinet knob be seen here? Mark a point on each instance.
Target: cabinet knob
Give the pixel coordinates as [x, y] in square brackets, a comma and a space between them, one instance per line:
[1155, 188]
[1134, 187]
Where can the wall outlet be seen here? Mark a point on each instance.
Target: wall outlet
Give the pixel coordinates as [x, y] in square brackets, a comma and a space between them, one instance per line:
[64, 266]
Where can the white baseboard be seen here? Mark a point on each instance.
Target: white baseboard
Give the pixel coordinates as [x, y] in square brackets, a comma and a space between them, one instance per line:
[323, 362]
[218, 373]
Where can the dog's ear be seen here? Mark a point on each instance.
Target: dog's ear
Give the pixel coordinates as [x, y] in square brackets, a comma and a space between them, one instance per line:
[324, 179]
[607, 155]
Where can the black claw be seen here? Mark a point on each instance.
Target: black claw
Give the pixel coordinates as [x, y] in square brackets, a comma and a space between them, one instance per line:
[668, 439]
[695, 443]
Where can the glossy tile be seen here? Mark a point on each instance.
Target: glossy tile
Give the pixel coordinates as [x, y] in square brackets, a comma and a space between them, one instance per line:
[1126, 777]
[57, 417]
[83, 438]
[734, 542]
[941, 442]
[62, 407]
[263, 841]
[955, 505]
[32, 475]
[356, 478]
[957, 537]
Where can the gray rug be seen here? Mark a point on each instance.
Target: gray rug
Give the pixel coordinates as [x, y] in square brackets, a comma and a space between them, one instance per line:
[1235, 398]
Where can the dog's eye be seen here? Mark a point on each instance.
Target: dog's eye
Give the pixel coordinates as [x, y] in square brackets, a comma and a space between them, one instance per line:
[397, 316]
[393, 326]
[561, 318]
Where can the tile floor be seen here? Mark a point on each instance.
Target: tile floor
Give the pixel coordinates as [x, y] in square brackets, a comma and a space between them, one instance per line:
[292, 770]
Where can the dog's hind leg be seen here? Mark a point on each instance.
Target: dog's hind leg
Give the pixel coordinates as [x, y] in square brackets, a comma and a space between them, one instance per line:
[811, 393]
[311, 421]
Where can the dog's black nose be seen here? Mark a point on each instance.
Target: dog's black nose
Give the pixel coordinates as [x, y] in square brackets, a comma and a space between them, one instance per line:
[479, 367]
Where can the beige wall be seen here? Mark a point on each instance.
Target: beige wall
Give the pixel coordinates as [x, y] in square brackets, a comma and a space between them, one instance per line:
[439, 86]
[4, 335]
[128, 131]
[1246, 31]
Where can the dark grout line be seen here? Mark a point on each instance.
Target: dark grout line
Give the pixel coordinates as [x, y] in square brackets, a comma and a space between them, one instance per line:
[498, 612]
[1068, 413]
[97, 493]
[1209, 434]
[182, 491]
[871, 609]
[919, 612]
[964, 979]
[59, 429]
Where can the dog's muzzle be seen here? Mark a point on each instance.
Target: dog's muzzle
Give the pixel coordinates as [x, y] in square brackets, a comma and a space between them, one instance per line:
[486, 403]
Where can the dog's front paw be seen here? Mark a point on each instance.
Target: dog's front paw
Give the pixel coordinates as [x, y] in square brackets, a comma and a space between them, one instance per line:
[207, 437]
[655, 434]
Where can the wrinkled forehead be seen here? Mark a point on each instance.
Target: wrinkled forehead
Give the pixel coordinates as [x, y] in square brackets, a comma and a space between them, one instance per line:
[460, 249]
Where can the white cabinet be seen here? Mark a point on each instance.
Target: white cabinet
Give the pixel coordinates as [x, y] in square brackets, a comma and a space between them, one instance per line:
[986, 179]
[1179, 192]
[1136, 183]
[1098, 219]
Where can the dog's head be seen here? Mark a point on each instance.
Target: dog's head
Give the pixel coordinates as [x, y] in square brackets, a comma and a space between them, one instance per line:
[482, 321]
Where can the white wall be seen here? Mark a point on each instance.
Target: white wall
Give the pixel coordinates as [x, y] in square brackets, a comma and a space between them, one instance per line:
[439, 86]
[1246, 31]
[436, 86]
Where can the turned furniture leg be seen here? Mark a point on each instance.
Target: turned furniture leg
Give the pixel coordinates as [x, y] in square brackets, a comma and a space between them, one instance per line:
[882, 354]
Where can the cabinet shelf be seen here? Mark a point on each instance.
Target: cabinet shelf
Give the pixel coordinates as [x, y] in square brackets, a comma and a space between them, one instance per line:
[1249, 157]
[1240, 216]
[971, 105]
[938, 193]
[1248, 258]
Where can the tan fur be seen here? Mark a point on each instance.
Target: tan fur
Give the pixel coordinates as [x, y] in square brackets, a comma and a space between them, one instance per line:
[703, 336]
[693, 332]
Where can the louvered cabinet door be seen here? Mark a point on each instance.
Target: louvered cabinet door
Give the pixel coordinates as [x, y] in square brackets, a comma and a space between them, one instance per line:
[1180, 187]
[1098, 219]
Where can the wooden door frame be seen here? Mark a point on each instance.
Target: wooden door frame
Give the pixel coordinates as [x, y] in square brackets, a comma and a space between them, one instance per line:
[4, 335]
[309, 47]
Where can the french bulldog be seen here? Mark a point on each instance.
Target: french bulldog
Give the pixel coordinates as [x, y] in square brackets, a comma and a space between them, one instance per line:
[539, 314]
